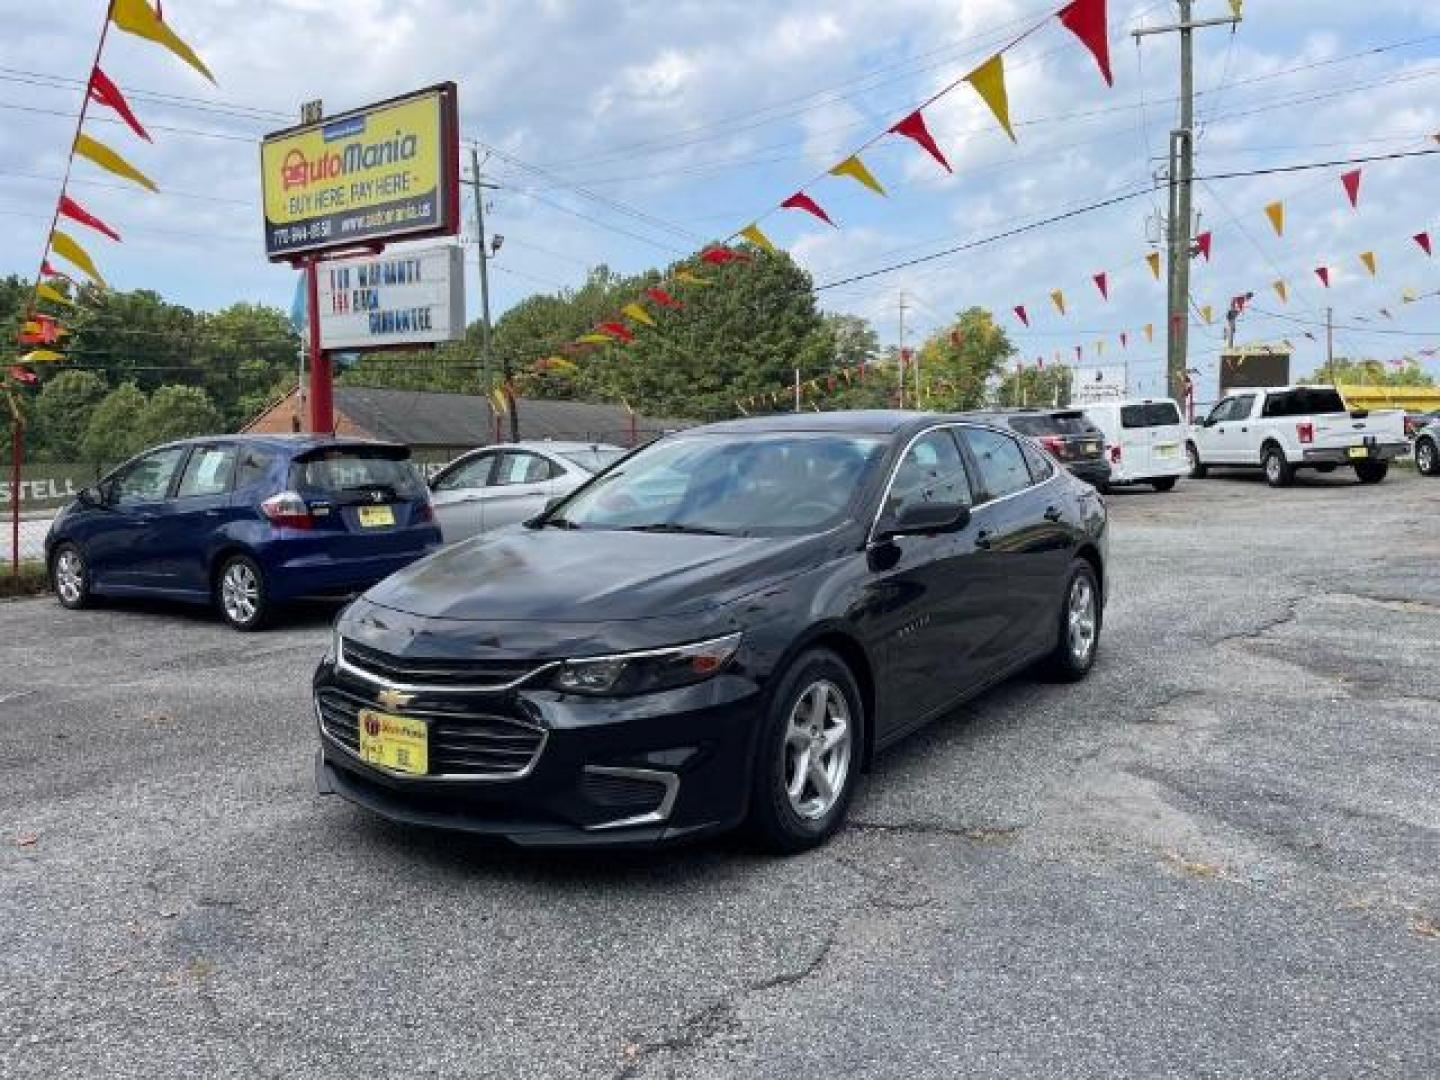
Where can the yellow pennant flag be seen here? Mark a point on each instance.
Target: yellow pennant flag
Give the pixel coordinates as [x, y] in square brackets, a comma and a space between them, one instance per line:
[1276, 213]
[1207, 313]
[752, 233]
[41, 356]
[1058, 299]
[854, 168]
[1236, 6]
[1154, 260]
[110, 161]
[1408, 296]
[61, 244]
[498, 402]
[689, 277]
[139, 18]
[1368, 258]
[637, 313]
[1100, 347]
[54, 295]
[989, 82]
[1280, 291]
[595, 339]
[1149, 331]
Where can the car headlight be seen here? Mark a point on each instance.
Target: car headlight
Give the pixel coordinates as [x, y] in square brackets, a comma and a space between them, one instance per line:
[643, 672]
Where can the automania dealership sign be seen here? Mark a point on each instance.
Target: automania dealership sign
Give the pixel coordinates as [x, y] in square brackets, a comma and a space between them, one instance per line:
[1095, 385]
[387, 171]
[408, 297]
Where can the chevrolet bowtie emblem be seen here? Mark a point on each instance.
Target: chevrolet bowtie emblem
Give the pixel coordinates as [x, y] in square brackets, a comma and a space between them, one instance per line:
[394, 699]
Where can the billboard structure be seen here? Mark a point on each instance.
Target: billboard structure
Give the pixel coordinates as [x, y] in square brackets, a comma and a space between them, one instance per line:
[387, 171]
[1096, 385]
[403, 298]
[1254, 365]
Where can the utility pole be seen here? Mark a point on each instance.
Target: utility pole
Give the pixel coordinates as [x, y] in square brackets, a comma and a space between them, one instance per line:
[478, 187]
[797, 389]
[1330, 343]
[1182, 171]
[900, 358]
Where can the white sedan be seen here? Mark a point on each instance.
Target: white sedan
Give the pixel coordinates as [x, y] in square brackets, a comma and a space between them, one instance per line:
[510, 482]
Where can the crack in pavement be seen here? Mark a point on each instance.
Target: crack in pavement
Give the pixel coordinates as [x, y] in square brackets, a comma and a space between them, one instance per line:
[976, 834]
[1292, 612]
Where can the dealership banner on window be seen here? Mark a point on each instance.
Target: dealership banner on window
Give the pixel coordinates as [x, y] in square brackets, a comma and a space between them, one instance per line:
[408, 296]
[384, 172]
[1096, 385]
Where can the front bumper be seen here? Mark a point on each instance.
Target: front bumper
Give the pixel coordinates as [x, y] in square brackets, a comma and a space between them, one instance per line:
[1340, 455]
[646, 769]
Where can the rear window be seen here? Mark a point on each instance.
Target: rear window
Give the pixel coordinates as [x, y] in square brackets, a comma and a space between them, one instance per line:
[1150, 414]
[1071, 422]
[357, 469]
[1306, 401]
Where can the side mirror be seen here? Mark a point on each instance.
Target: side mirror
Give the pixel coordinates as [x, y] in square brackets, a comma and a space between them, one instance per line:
[923, 518]
[89, 496]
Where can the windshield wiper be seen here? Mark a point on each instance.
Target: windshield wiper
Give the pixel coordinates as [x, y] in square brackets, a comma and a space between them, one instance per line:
[558, 523]
[676, 527]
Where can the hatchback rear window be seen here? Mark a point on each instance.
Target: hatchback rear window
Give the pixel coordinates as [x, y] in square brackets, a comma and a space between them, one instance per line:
[1150, 414]
[1070, 422]
[357, 469]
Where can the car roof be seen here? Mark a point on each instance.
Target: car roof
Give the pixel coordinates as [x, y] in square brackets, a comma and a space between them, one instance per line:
[295, 443]
[557, 446]
[857, 421]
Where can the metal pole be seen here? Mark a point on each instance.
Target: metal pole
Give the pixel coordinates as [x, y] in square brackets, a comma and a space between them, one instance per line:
[478, 187]
[1330, 343]
[901, 357]
[797, 389]
[322, 400]
[17, 450]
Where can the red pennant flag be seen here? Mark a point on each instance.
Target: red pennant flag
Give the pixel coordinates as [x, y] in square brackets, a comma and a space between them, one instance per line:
[1039, 363]
[1086, 20]
[1202, 244]
[616, 330]
[1102, 282]
[75, 212]
[23, 375]
[46, 269]
[664, 299]
[913, 127]
[1323, 273]
[47, 330]
[105, 92]
[801, 201]
[830, 383]
[1423, 239]
[1079, 351]
[719, 256]
[1124, 340]
[1020, 314]
[1351, 180]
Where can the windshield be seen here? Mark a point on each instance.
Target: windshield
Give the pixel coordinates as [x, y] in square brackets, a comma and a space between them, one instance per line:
[594, 459]
[728, 484]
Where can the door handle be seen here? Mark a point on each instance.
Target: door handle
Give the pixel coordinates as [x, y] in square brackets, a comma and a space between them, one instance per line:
[982, 539]
[1052, 514]
[1243, 430]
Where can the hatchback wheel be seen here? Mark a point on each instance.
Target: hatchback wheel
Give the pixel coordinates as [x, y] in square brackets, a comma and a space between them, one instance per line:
[1079, 630]
[240, 593]
[809, 755]
[70, 577]
[1427, 457]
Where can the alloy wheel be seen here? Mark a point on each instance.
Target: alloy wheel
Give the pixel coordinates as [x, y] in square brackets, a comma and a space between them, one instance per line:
[240, 592]
[70, 576]
[1425, 459]
[1080, 620]
[817, 750]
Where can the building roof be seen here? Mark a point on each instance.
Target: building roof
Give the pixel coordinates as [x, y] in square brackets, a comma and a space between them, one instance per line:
[864, 421]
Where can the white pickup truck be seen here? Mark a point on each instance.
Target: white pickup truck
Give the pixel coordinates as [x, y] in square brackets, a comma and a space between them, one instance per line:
[1286, 428]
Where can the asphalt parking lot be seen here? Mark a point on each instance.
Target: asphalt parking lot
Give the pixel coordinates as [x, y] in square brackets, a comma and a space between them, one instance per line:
[1216, 857]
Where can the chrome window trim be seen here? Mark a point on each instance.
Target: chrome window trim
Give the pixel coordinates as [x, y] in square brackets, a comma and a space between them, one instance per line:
[421, 778]
[433, 688]
[950, 426]
[651, 817]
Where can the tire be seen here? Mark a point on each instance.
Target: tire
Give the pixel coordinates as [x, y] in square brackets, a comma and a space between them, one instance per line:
[1165, 483]
[1075, 647]
[1371, 472]
[787, 819]
[1198, 469]
[240, 594]
[1278, 472]
[1427, 457]
[70, 578]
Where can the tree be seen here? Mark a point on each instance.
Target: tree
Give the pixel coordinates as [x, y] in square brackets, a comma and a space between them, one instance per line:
[114, 432]
[1368, 372]
[1047, 387]
[63, 409]
[958, 362]
[178, 412]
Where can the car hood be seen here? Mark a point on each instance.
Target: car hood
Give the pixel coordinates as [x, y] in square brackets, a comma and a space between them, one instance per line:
[588, 576]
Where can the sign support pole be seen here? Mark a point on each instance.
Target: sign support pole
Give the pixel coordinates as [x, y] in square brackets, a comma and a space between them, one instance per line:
[322, 379]
[17, 450]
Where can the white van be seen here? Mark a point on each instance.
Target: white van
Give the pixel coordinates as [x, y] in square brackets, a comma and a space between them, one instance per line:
[1144, 440]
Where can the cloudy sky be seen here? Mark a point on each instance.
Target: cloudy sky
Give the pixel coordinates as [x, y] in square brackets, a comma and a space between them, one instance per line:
[629, 133]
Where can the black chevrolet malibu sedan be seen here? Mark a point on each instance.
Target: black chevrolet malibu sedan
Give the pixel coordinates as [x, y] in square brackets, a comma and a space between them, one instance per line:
[722, 628]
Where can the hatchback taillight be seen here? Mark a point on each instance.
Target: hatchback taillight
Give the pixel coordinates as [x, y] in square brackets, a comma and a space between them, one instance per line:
[1306, 432]
[1052, 443]
[425, 512]
[1115, 454]
[288, 510]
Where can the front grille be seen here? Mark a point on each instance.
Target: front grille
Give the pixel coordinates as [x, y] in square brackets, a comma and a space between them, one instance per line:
[622, 793]
[460, 744]
[433, 672]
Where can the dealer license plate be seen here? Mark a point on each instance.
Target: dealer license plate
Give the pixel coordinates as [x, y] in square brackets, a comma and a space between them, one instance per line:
[372, 516]
[1165, 449]
[1359, 451]
[399, 743]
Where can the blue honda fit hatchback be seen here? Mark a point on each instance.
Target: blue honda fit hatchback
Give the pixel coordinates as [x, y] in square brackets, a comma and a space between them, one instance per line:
[246, 522]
